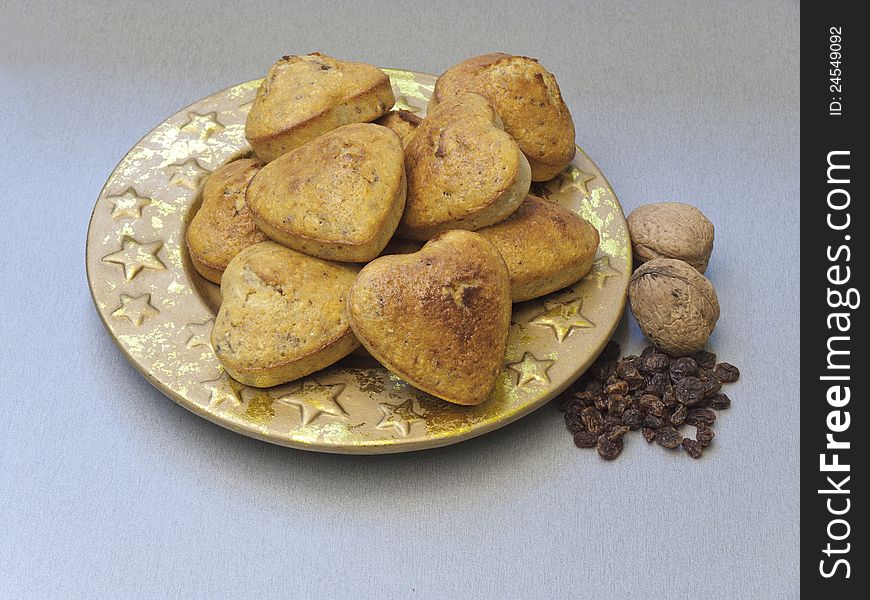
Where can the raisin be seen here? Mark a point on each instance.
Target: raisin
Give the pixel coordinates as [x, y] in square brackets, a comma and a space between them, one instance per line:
[692, 448]
[574, 424]
[594, 387]
[623, 368]
[668, 437]
[618, 432]
[699, 416]
[720, 402]
[646, 401]
[679, 416]
[712, 385]
[726, 373]
[592, 419]
[658, 384]
[609, 449]
[632, 417]
[689, 391]
[704, 434]
[600, 403]
[683, 367]
[617, 386]
[652, 422]
[654, 363]
[616, 405]
[705, 360]
[670, 398]
[648, 434]
[611, 421]
[585, 439]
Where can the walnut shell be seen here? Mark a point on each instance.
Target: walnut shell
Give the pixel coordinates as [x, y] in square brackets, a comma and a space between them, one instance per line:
[675, 306]
[671, 230]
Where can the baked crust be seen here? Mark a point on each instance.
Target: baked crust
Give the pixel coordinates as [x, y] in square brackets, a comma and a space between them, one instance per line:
[528, 100]
[464, 171]
[339, 197]
[305, 96]
[438, 318]
[223, 225]
[403, 122]
[545, 246]
[283, 315]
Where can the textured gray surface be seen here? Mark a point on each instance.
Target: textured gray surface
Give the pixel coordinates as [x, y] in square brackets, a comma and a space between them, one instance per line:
[107, 488]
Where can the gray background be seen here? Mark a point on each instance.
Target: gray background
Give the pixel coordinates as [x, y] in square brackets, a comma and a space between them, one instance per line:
[107, 488]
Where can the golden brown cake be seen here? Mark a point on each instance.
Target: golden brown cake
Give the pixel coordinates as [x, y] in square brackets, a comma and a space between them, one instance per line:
[338, 197]
[283, 315]
[403, 122]
[545, 246]
[464, 171]
[527, 99]
[438, 318]
[303, 97]
[223, 225]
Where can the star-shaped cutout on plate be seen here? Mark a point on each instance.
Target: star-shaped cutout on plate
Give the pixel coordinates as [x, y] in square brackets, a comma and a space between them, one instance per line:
[135, 310]
[314, 399]
[223, 389]
[200, 334]
[575, 178]
[204, 125]
[398, 416]
[187, 174]
[128, 205]
[135, 256]
[563, 318]
[531, 369]
[601, 270]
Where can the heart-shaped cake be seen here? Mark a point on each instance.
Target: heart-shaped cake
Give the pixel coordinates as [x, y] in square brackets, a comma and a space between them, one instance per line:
[464, 171]
[403, 122]
[545, 246]
[223, 225]
[303, 97]
[283, 315]
[528, 100]
[338, 197]
[438, 318]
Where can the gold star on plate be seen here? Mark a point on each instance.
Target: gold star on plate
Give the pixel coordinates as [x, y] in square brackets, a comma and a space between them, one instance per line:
[187, 174]
[200, 334]
[128, 205]
[398, 416]
[135, 310]
[531, 369]
[575, 178]
[563, 318]
[601, 270]
[223, 389]
[135, 256]
[314, 399]
[205, 125]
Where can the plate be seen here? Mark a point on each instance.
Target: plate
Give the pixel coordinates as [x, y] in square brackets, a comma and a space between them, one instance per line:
[159, 311]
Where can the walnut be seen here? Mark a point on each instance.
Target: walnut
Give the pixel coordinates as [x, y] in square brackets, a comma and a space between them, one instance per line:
[675, 306]
[671, 230]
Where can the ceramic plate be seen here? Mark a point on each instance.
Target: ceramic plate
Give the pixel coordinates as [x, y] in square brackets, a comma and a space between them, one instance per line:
[160, 311]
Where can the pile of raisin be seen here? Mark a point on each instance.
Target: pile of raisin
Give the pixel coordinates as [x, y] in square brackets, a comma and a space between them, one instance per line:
[651, 392]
